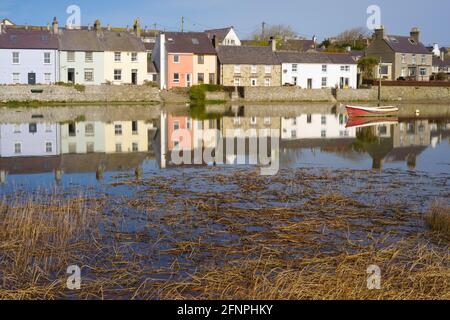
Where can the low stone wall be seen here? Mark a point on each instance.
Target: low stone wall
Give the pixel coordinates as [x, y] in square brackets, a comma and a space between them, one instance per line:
[288, 94]
[412, 94]
[217, 96]
[56, 93]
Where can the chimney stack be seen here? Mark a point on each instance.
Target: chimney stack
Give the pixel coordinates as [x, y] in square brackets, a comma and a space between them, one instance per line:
[97, 26]
[55, 26]
[379, 33]
[415, 34]
[442, 55]
[273, 43]
[137, 27]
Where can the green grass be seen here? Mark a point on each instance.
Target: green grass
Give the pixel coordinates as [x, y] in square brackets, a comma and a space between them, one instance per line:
[197, 94]
[78, 87]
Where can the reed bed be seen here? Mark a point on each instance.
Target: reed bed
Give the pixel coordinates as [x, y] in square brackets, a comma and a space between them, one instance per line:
[303, 234]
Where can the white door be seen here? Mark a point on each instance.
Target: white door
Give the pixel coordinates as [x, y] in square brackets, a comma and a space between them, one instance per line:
[188, 79]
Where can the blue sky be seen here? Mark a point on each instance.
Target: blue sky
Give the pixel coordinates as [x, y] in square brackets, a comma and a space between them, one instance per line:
[323, 18]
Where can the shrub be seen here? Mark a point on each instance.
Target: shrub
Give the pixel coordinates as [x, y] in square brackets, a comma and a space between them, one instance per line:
[438, 219]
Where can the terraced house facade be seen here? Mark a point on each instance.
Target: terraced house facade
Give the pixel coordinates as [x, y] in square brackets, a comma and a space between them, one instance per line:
[244, 66]
[402, 57]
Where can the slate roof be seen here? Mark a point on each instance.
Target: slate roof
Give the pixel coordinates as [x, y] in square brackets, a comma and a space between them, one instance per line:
[189, 42]
[149, 46]
[315, 57]
[219, 33]
[438, 62]
[405, 44]
[247, 55]
[12, 38]
[297, 45]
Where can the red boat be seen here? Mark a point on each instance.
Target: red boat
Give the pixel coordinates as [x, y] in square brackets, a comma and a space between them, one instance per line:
[357, 111]
[361, 122]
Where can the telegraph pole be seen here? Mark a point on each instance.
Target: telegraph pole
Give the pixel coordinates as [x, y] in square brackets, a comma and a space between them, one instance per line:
[182, 24]
[263, 34]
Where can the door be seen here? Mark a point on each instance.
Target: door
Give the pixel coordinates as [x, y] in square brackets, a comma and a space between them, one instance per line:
[309, 83]
[134, 76]
[341, 83]
[188, 79]
[32, 78]
[71, 75]
[294, 81]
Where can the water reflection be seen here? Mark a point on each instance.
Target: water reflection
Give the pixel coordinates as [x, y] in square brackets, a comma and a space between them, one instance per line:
[139, 142]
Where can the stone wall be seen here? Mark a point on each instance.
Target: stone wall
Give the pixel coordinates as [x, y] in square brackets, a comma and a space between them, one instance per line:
[288, 94]
[414, 94]
[217, 96]
[56, 93]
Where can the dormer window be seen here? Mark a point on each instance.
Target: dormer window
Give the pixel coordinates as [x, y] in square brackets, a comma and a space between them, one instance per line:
[195, 41]
[412, 41]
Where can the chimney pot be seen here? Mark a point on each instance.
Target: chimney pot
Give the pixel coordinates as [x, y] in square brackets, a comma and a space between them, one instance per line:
[55, 26]
[415, 34]
[273, 44]
[379, 33]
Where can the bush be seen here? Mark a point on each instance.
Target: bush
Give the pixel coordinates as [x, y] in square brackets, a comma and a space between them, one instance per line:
[197, 94]
[442, 76]
[438, 219]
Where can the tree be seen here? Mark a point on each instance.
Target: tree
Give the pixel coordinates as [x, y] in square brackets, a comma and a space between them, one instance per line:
[351, 35]
[367, 66]
[278, 32]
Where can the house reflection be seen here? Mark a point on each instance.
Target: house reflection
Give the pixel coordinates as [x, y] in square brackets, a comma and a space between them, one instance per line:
[74, 147]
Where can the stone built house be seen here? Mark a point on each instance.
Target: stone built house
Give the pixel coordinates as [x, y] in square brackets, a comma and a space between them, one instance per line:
[224, 36]
[184, 59]
[402, 57]
[98, 56]
[244, 66]
[28, 56]
[318, 70]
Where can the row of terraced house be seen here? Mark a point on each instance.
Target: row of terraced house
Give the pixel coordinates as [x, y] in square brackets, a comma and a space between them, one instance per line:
[95, 55]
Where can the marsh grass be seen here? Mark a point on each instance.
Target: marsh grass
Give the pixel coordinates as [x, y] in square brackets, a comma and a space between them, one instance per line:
[242, 239]
[437, 219]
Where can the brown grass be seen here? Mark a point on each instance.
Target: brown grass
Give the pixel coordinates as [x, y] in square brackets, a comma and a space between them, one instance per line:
[437, 219]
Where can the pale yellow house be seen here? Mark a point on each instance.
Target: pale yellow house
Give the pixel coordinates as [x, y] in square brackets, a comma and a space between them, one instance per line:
[127, 136]
[205, 69]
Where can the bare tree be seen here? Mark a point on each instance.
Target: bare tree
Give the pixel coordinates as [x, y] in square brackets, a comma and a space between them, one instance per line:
[352, 34]
[276, 31]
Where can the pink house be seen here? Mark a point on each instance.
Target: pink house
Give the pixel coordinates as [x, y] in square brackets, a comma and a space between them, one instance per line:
[184, 59]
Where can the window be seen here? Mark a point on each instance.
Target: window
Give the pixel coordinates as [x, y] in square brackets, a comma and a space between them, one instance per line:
[253, 82]
[118, 147]
[48, 147]
[189, 123]
[135, 147]
[324, 82]
[201, 78]
[345, 68]
[72, 129]
[18, 148]
[71, 56]
[117, 56]
[237, 68]
[89, 130]
[323, 133]
[118, 129]
[117, 74]
[47, 78]
[32, 128]
[176, 78]
[237, 121]
[88, 57]
[72, 148]
[294, 67]
[176, 59]
[134, 127]
[201, 59]
[212, 78]
[254, 121]
[384, 70]
[134, 57]
[403, 58]
[15, 57]
[16, 78]
[309, 118]
[267, 82]
[47, 59]
[176, 125]
[324, 120]
[424, 59]
[423, 71]
[17, 128]
[268, 69]
[237, 82]
[294, 134]
[90, 147]
[267, 121]
[414, 59]
[88, 75]
[324, 68]
[254, 69]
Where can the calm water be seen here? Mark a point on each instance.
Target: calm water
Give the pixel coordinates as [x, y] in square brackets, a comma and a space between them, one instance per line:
[42, 149]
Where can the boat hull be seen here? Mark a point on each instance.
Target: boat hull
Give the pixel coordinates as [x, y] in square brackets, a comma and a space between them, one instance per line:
[372, 112]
